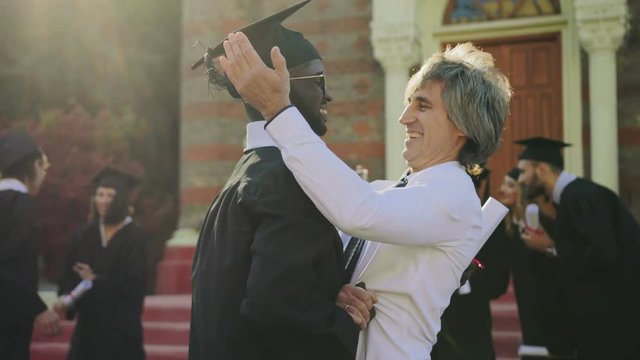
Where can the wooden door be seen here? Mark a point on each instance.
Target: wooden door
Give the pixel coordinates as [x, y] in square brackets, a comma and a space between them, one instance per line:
[534, 67]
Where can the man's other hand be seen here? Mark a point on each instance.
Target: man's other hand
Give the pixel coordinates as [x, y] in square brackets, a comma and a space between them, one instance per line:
[537, 239]
[357, 302]
[48, 323]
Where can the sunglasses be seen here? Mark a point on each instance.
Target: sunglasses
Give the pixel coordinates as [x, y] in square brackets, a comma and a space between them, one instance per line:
[322, 82]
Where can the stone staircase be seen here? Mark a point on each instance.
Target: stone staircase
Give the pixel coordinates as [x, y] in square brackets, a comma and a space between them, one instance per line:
[166, 331]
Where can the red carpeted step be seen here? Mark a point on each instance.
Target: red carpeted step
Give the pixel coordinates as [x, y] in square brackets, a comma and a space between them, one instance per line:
[174, 271]
[167, 308]
[506, 326]
[49, 351]
[166, 333]
[57, 351]
[64, 337]
[505, 316]
[167, 352]
[506, 343]
[155, 332]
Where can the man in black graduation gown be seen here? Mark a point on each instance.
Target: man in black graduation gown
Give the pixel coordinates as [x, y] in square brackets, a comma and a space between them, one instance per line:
[23, 166]
[597, 242]
[268, 266]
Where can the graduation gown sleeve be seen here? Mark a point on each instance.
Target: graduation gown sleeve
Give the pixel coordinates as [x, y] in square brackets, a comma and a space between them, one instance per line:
[283, 285]
[493, 281]
[18, 258]
[596, 229]
[69, 278]
[597, 242]
[447, 206]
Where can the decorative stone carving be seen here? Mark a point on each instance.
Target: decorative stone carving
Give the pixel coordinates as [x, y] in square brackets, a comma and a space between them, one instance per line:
[601, 23]
[395, 45]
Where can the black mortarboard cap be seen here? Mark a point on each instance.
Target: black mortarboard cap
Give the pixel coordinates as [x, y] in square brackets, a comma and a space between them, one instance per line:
[514, 173]
[15, 145]
[266, 33]
[114, 178]
[542, 149]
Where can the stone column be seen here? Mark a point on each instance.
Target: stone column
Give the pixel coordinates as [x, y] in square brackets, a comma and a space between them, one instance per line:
[396, 46]
[601, 27]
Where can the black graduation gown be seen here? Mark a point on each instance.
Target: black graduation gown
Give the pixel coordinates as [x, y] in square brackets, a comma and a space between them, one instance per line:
[466, 323]
[19, 300]
[267, 271]
[598, 245]
[109, 315]
[541, 308]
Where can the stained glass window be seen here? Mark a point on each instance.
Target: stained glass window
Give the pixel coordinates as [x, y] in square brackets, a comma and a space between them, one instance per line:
[466, 11]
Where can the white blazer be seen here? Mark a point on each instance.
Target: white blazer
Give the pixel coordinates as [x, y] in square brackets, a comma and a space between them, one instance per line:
[426, 234]
[389, 335]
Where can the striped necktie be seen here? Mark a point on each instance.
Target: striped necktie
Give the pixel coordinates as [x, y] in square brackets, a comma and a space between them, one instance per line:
[354, 248]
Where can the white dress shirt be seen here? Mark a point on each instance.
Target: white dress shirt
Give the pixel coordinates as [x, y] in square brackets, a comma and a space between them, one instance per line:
[425, 236]
[564, 179]
[257, 136]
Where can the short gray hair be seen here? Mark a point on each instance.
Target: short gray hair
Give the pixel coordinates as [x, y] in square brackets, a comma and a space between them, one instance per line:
[476, 95]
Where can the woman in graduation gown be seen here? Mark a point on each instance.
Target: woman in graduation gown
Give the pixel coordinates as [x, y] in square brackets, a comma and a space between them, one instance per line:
[524, 281]
[109, 251]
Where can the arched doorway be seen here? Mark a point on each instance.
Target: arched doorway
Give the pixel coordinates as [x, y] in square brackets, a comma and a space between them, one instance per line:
[533, 64]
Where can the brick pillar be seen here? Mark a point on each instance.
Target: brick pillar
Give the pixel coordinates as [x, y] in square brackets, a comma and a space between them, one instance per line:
[211, 136]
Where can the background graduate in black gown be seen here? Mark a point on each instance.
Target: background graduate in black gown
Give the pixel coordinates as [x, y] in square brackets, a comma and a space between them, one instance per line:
[268, 266]
[542, 313]
[597, 241]
[23, 166]
[110, 251]
[466, 323]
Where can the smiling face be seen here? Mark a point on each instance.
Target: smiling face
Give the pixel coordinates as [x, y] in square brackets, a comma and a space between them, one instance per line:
[431, 138]
[309, 95]
[508, 191]
[530, 176]
[40, 167]
[104, 198]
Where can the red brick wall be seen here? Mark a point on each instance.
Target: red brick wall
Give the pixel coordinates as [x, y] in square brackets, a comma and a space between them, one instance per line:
[629, 112]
